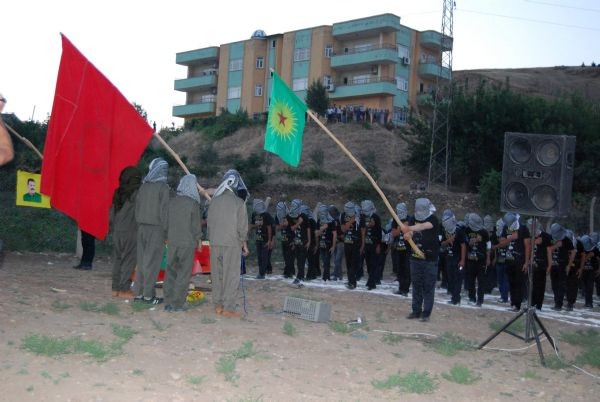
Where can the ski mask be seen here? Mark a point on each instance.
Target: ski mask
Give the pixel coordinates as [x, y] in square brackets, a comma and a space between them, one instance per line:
[475, 222]
[350, 209]
[259, 206]
[295, 208]
[324, 216]
[423, 209]
[557, 232]
[449, 221]
[368, 208]
[587, 243]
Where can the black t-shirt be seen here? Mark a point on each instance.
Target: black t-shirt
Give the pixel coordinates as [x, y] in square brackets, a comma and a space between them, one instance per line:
[263, 221]
[352, 235]
[373, 230]
[459, 239]
[428, 241]
[476, 244]
[285, 234]
[541, 250]
[398, 243]
[300, 235]
[326, 238]
[516, 248]
[561, 254]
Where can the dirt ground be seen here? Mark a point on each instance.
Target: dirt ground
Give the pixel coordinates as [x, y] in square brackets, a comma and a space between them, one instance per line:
[180, 356]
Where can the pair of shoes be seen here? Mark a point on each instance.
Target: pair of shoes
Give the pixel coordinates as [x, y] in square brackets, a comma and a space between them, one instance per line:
[350, 286]
[569, 307]
[479, 304]
[471, 302]
[260, 277]
[83, 267]
[230, 314]
[424, 319]
[556, 308]
[589, 306]
[218, 310]
[514, 309]
[168, 308]
[413, 316]
[138, 299]
[297, 281]
[371, 287]
[125, 294]
[453, 303]
[180, 309]
[154, 300]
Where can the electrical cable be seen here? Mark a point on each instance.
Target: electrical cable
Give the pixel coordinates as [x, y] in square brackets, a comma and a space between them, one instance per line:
[528, 19]
[594, 10]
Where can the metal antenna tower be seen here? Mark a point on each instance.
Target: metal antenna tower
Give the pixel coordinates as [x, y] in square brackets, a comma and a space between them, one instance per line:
[442, 102]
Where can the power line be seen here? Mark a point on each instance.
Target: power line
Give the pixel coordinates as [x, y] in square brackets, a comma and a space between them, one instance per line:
[594, 10]
[528, 19]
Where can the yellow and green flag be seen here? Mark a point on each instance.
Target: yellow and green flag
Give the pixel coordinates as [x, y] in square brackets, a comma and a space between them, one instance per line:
[285, 123]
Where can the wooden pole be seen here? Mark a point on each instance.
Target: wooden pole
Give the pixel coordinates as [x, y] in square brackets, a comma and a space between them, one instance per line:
[25, 140]
[418, 252]
[180, 162]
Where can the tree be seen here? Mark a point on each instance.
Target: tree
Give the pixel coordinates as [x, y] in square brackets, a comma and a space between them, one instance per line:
[140, 110]
[317, 98]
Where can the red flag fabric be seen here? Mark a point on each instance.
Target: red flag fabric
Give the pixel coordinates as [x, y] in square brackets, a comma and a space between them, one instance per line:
[93, 133]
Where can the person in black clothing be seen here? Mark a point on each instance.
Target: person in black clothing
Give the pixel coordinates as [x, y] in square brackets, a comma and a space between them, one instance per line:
[262, 223]
[350, 227]
[478, 257]
[372, 242]
[400, 252]
[572, 285]
[491, 278]
[499, 261]
[560, 255]
[299, 226]
[88, 244]
[542, 240]
[517, 239]
[339, 248]
[312, 256]
[326, 235]
[588, 269]
[455, 243]
[285, 236]
[424, 229]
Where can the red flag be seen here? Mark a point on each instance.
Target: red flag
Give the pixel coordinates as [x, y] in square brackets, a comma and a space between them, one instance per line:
[93, 133]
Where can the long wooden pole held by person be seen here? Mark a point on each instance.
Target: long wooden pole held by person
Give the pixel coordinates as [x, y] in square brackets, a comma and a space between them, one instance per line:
[25, 140]
[416, 250]
[178, 159]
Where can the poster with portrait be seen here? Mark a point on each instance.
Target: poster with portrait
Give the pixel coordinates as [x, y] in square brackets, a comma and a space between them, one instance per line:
[28, 190]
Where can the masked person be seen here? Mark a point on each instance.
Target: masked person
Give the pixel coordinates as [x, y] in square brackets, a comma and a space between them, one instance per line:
[542, 240]
[301, 235]
[262, 223]
[124, 228]
[491, 278]
[560, 255]
[372, 242]
[424, 229]
[454, 242]
[350, 227]
[517, 239]
[400, 251]
[339, 245]
[588, 269]
[500, 263]
[314, 270]
[326, 235]
[228, 235]
[572, 282]
[151, 215]
[185, 237]
[478, 257]
[284, 235]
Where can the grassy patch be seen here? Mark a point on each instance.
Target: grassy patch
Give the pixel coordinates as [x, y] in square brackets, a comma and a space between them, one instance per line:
[449, 344]
[108, 308]
[554, 363]
[590, 356]
[123, 331]
[461, 375]
[137, 306]
[379, 317]
[137, 372]
[58, 305]
[392, 381]
[531, 375]
[589, 340]
[226, 364]
[289, 329]
[340, 327]
[391, 339]
[195, 380]
[516, 327]
[29, 388]
[268, 308]
[207, 320]
[413, 382]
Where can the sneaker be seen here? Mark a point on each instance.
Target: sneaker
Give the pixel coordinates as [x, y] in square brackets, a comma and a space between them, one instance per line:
[424, 319]
[260, 277]
[138, 299]
[350, 286]
[514, 309]
[153, 300]
[471, 302]
[168, 308]
[479, 304]
[556, 308]
[452, 302]
[413, 316]
[181, 309]
[589, 306]
[569, 307]
[296, 281]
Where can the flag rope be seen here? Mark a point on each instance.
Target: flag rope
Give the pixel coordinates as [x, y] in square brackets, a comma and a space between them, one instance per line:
[417, 251]
[25, 140]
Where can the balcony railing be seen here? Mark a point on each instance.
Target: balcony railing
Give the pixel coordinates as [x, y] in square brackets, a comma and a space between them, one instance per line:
[362, 49]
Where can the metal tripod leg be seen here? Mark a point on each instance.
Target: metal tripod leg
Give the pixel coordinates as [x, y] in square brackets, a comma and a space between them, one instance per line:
[546, 333]
[508, 324]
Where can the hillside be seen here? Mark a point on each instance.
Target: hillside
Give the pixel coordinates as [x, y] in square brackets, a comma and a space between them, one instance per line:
[546, 82]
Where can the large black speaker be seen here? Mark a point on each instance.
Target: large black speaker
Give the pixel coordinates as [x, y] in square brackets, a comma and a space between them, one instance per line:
[537, 174]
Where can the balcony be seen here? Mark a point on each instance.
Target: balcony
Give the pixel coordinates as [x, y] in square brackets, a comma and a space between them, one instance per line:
[425, 100]
[364, 57]
[198, 56]
[432, 71]
[195, 83]
[193, 109]
[365, 87]
[365, 27]
[433, 39]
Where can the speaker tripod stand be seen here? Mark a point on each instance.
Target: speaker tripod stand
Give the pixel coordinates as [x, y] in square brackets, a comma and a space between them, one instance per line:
[531, 317]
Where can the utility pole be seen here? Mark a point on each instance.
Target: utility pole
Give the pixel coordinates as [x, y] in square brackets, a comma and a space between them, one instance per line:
[442, 102]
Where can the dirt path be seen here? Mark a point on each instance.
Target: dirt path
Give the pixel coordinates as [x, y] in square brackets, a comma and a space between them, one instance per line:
[157, 356]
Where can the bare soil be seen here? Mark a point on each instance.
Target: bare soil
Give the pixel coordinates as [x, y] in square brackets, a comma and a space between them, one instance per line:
[175, 356]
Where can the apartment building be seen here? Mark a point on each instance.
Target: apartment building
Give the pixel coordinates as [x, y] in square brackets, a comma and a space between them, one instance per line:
[373, 62]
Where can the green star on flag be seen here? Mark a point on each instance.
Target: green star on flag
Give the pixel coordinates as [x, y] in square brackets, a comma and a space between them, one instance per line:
[285, 123]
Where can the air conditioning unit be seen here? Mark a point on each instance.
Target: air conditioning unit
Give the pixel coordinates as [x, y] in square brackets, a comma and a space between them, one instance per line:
[406, 61]
[330, 88]
[309, 310]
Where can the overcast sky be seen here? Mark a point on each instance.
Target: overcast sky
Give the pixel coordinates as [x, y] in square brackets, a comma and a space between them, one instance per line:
[134, 42]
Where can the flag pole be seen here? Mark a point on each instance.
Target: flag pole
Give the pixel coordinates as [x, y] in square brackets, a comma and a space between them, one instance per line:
[178, 159]
[25, 140]
[418, 252]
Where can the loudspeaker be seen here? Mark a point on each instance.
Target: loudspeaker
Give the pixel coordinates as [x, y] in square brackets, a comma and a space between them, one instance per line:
[307, 309]
[537, 174]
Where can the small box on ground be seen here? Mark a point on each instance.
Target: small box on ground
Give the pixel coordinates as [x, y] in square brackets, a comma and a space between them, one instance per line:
[307, 309]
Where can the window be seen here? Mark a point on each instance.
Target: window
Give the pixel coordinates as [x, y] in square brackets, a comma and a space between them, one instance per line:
[402, 51]
[234, 93]
[273, 43]
[302, 54]
[300, 84]
[258, 90]
[207, 99]
[235, 65]
[328, 51]
[401, 84]
[260, 62]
